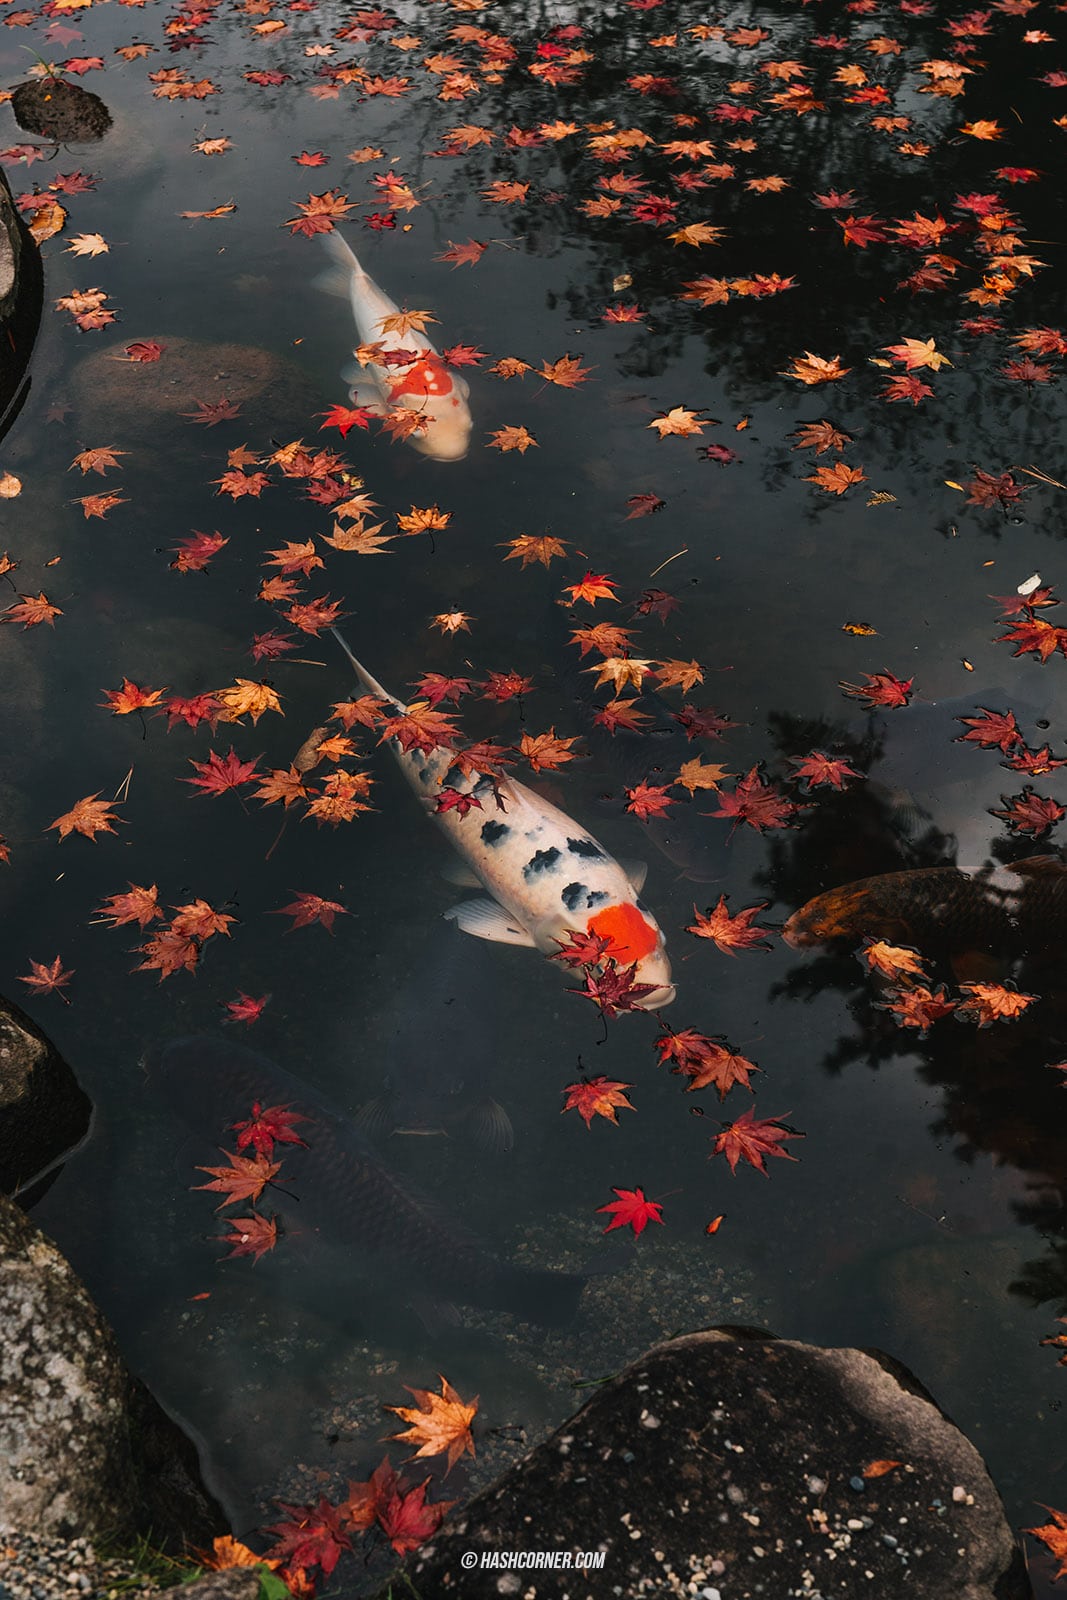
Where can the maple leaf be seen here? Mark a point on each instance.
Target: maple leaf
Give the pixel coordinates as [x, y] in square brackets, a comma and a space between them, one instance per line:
[505, 192]
[751, 1139]
[986, 488]
[631, 1209]
[244, 1179]
[992, 730]
[593, 587]
[919, 1007]
[511, 438]
[463, 255]
[98, 505]
[612, 990]
[581, 949]
[451, 621]
[450, 799]
[1053, 1535]
[246, 1009]
[420, 727]
[267, 1125]
[697, 774]
[250, 1236]
[502, 686]
[818, 771]
[426, 519]
[643, 505]
[891, 960]
[811, 369]
[566, 373]
[606, 637]
[345, 418]
[32, 610]
[756, 802]
[706, 1061]
[838, 478]
[142, 350]
[597, 1097]
[545, 752]
[120, 702]
[218, 773]
[315, 615]
[880, 689]
[678, 421]
[702, 723]
[407, 1521]
[656, 603]
[1027, 371]
[237, 484]
[138, 904]
[194, 554]
[905, 387]
[312, 1537]
[367, 711]
[679, 675]
[211, 413]
[97, 460]
[731, 933]
[296, 557]
[696, 234]
[193, 711]
[529, 548]
[200, 921]
[621, 670]
[358, 537]
[649, 800]
[89, 816]
[621, 714]
[308, 908]
[47, 978]
[1030, 813]
[404, 322]
[439, 1423]
[916, 353]
[820, 436]
[986, 1003]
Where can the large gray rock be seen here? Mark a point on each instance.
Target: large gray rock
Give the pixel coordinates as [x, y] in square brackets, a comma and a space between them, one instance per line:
[84, 1449]
[732, 1464]
[43, 1112]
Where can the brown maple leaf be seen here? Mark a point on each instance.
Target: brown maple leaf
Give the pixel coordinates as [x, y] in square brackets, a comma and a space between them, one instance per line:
[439, 1423]
[48, 978]
[731, 933]
[511, 438]
[529, 547]
[244, 1179]
[89, 816]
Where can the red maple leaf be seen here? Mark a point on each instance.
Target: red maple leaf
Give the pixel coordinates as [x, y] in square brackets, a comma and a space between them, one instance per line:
[268, 1125]
[919, 1007]
[581, 949]
[621, 714]
[142, 350]
[1035, 762]
[345, 418]
[308, 908]
[594, 1097]
[987, 489]
[503, 686]
[702, 722]
[251, 1236]
[880, 689]
[631, 1209]
[213, 412]
[614, 991]
[649, 800]
[751, 1139]
[642, 505]
[312, 1537]
[1030, 813]
[245, 1008]
[993, 730]
[820, 771]
[1034, 636]
[48, 978]
[731, 933]
[455, 800]
[199, 708]
[194, 553]
[656, 603]
[244, 1179]
[759, 804]
[218, 773]
[407, 1521]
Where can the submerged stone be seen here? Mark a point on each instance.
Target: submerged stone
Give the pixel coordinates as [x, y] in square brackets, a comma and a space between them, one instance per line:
[56, 109]
[43, 1112]
[724, 1462]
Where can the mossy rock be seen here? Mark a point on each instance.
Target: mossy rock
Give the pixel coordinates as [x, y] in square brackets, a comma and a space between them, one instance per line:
[54, 109]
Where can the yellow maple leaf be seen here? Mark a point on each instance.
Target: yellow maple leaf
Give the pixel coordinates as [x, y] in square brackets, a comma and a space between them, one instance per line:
[697, 233]
[812, 369]
[621, 670]
[246, 698]
[678, 420]
[404, 322]
[697, 774]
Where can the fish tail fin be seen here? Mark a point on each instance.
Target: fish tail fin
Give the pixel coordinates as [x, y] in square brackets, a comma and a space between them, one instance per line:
[369, 683]
[344, 264]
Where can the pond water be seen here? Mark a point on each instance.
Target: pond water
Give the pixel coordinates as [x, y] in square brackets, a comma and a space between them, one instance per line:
[924, 1212]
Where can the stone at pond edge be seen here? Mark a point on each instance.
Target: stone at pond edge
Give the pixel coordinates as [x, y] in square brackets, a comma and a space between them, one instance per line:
[729, 1460]
[84, 1449]
[43, 1112]
[55, 109]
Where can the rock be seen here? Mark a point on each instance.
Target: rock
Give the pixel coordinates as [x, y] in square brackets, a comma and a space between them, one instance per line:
[84, 1449]
[236, 1583]
[33, 1567]
[732, 1463]
[43, 1112]
[55, 109]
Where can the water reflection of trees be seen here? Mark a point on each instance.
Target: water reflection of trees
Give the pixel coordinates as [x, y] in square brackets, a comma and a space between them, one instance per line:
[998, 1095]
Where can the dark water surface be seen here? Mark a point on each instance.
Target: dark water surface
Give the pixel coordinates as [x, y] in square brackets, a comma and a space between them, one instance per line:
[925, 1214]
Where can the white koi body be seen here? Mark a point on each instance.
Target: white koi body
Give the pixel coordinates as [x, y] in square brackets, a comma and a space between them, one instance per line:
[423, 384]
[547, 878]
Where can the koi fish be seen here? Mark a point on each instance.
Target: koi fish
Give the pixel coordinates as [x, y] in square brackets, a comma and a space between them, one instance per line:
[422, 384]
[343, 1193]
[547, 878]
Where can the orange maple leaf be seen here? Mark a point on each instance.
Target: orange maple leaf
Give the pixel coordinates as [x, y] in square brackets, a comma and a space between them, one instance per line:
[567, 372]
[425, 519]
[440, 1423]
[593, 587]
[597, 1097]
[120, 702]
[511, 438]
[680, 421]
[48, 979]
[244, 1179]
[138, 905]
[731, 933]
[31, 610]
[98, 505]
[812, 369]
[89, 816]
[529, 547]
[836, 479]
[97, 460]
[545, 752]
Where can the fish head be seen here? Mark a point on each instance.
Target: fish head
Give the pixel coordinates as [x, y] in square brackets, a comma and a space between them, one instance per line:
[842, 913]
[445, 437]
[636, 939]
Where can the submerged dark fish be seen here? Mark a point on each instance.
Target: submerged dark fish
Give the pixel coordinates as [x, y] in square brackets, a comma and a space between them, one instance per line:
[345, 1194]
[941, 909]
[443, 1035]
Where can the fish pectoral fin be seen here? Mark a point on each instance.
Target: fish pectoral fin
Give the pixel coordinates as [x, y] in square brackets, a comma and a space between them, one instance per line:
[458, 872]
[636, 871]
[492, 1127]
[487, 920]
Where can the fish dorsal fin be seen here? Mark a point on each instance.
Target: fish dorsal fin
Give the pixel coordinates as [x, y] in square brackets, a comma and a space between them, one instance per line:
[487, 920]
[461, 875]
[1039, 866]
[492, 1127]
[369, 683]
[636, 871]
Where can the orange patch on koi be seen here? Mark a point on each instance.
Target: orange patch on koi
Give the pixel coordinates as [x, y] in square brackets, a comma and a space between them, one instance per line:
[426, 377]
[631, 937]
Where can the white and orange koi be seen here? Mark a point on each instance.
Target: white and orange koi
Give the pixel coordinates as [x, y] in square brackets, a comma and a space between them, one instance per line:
[546, 877]
[422, 384]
